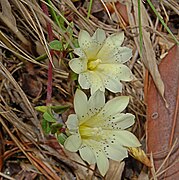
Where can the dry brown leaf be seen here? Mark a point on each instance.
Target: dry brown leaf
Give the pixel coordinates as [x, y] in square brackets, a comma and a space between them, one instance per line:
[7, 11]
[8, 18]
[115, 170]
[162, 122]
[143, 176]
[82, 170]
[118, 13]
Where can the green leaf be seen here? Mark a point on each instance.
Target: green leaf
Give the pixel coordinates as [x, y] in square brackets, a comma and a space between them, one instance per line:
[73, 76]
[41, 108]
[49, 117]
[55, 127]
[69, 29]
[59, 109]
[56, 45]
[46, 126]
[61, 138]
[43, 57]
[56, 109]
[61, 22]
[75, 42]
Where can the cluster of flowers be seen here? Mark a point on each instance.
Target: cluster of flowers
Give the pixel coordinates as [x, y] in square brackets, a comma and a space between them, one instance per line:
[98, 129]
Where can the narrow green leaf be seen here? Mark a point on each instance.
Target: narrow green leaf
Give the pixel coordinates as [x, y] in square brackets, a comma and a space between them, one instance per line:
[75, 42]
[162, 21]
[59, 109]
[56, 109]
[46, 126]
[89, 9]
[41, 108]
[43, 57]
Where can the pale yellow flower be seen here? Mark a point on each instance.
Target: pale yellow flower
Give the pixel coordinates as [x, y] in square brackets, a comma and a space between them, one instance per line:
[97, 129]
[100, 62]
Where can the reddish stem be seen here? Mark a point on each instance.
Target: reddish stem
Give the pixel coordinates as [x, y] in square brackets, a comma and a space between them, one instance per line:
[50, 36]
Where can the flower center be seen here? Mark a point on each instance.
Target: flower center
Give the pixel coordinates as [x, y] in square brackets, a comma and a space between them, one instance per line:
[90, 132]
[92, 64]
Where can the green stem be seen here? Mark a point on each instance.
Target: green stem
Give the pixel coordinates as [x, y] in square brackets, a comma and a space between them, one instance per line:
[162, 21]
[89, 9]
[54, 15]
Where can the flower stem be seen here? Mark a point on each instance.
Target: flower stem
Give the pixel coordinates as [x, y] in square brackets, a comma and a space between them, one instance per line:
[50, 70]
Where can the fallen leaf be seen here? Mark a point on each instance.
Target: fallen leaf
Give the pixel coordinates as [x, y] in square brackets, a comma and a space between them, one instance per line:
[143, 176]
[115, 170]
[7, 11]
[82, 170]
[8, 18]
[162, 122]
[121, 11]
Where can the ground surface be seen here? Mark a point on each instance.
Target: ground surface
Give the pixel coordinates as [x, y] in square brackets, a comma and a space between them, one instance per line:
[25, 151]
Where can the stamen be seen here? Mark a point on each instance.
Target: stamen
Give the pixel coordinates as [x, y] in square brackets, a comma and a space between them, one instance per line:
[93, 64]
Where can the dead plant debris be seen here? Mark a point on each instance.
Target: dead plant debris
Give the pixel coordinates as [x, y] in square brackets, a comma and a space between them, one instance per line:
[25, 151]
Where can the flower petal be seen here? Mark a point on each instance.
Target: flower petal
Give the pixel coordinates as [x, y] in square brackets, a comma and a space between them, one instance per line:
[91, 45]
[78, 65]
[111, 49]
[96, 102]
[91, 79]
[84, 40]
[72, 123]
[84, 81]
[73, 143]
[87, 154]
[101, 158]
[114, 71]
[114, 106]
[99, 36]
[120, 121]
[112, 85]
[123, 138]
[80, 104]
[115, 55]
[114, 40]
[79, 52]
[96, 83]
[115, 154]
[102, 162]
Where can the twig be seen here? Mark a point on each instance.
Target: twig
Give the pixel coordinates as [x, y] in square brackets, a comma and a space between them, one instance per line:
[6, 176]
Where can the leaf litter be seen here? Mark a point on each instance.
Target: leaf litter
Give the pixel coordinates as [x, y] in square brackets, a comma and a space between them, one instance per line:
[23, 144]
